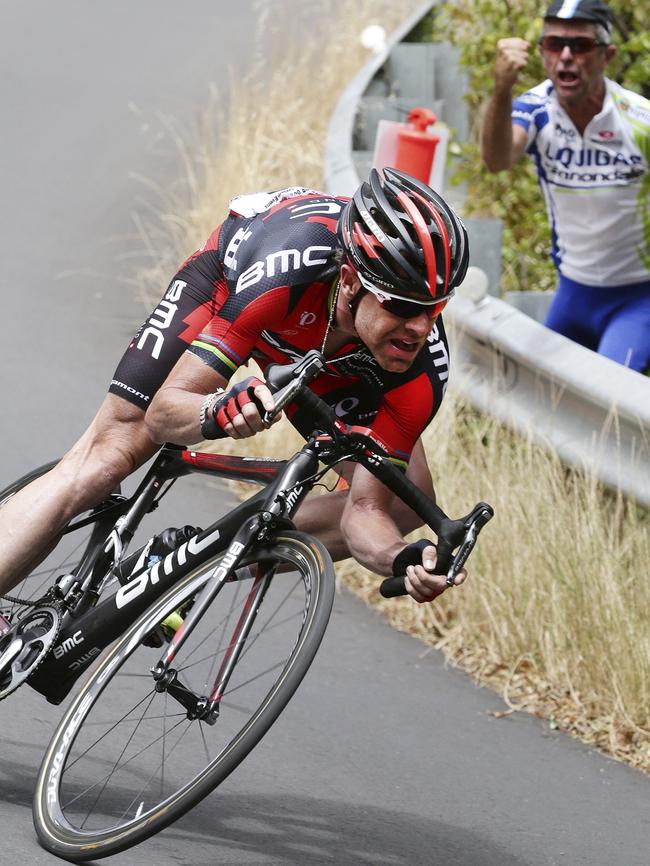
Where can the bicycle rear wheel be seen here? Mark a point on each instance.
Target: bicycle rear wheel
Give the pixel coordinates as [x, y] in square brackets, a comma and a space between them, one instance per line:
[66, 556]
[76, 548]
[35, 584]
[126, 761]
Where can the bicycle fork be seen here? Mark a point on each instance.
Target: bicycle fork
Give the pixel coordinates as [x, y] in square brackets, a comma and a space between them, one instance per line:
[206, 707]
[285, 496]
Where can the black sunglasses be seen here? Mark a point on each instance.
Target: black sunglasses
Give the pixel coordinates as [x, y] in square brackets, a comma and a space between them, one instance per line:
[577, 44]
[401, 307]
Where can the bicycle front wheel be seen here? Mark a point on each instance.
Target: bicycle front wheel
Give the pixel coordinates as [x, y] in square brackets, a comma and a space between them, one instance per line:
[126, 760]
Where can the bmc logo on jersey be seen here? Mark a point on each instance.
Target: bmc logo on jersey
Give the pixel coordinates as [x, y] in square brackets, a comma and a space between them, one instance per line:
[439, 353]
[161, 319]
[282, 262]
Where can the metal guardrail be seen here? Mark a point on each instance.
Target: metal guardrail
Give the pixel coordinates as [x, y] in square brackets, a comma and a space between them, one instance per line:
[340, 172]
[593, 412]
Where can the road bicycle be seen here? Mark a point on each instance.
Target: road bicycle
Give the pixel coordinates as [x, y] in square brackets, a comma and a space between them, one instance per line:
[209, 631]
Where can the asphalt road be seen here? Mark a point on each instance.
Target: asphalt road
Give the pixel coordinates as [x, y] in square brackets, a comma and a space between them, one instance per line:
[384, 756]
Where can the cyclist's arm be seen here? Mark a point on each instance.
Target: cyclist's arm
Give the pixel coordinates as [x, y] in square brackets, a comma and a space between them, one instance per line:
[175, 411]
[374, 539]
[174, 414]
[502, 142]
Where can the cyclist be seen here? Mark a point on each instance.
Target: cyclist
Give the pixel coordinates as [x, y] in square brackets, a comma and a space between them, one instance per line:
[590, 141]
[364, 280]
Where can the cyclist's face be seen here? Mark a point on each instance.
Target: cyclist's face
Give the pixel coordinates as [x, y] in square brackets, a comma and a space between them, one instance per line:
[576, 76]
[394, 342]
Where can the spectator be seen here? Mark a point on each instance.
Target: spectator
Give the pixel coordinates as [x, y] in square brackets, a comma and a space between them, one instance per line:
[590, 141]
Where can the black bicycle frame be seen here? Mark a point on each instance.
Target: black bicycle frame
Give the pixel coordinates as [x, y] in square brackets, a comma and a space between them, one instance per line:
[88, 629]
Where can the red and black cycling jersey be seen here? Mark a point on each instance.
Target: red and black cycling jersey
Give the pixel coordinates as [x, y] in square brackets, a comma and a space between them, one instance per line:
[263, 287]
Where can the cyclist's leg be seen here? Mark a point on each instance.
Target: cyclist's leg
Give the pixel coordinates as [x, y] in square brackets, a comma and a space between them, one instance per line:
[320, 516]
[115, 443]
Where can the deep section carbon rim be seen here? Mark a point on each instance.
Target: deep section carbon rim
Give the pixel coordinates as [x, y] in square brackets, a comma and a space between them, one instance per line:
[126, 760]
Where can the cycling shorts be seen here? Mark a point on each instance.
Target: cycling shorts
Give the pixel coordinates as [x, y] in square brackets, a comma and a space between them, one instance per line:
[612, 320]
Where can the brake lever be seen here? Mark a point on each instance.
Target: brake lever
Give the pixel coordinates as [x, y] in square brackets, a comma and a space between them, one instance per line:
[282, 397]
[473, 523]
[311, 366]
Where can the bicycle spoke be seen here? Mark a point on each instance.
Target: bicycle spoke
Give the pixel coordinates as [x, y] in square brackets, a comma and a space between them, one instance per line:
[141, 752]
[110, 730]
[157, 769]
[117, 762]
[248, 682]
[115, 768]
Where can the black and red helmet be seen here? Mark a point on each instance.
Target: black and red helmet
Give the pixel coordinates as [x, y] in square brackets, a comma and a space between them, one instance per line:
[403, 237]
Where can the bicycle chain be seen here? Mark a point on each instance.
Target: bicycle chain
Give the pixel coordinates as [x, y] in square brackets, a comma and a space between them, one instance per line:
[24, 601]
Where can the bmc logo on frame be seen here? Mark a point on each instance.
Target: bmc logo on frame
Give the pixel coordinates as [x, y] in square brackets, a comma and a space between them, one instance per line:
[68, 644]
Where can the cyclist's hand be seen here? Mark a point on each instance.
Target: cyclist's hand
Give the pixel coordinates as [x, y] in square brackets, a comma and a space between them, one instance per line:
[422, 584]
[239, 412]
[512, 57]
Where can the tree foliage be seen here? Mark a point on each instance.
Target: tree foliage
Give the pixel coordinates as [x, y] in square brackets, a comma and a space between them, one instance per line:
[475, 26]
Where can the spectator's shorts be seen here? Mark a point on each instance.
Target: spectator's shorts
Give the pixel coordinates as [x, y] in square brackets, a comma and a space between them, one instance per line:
[612, 320]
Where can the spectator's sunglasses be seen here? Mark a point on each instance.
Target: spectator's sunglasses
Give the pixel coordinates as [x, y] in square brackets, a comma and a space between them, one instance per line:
[403, 308]
[577, 44]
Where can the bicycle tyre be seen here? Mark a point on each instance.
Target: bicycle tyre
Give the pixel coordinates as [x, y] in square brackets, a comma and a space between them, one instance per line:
[82, 773]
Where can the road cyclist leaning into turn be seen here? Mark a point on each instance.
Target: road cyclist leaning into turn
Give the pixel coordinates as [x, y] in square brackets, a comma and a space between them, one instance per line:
[590, 142]
[364, 280]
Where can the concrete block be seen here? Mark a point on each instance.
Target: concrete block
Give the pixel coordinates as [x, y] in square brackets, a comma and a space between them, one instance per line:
[533, 304]
[485, 248]
[412, 73]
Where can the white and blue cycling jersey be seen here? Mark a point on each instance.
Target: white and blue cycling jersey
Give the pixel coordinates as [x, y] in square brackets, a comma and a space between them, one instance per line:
[596, 185]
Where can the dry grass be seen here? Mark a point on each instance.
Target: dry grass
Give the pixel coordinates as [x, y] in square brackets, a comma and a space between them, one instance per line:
[555, 615]
[272, 135]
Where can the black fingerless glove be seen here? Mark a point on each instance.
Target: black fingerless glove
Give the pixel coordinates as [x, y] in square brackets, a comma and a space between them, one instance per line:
[410, 555]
